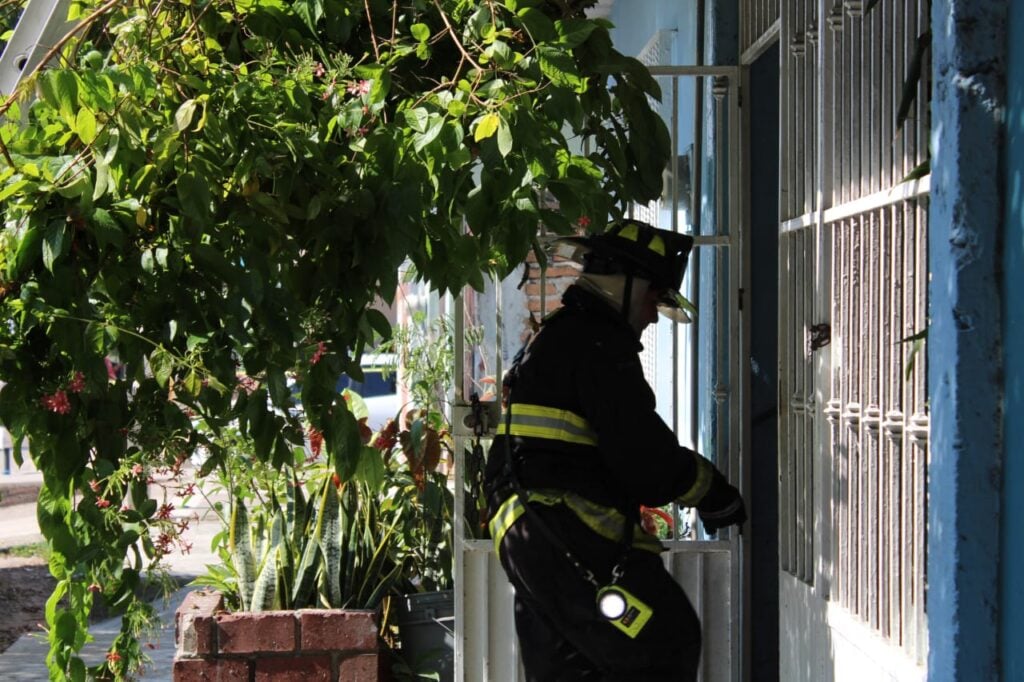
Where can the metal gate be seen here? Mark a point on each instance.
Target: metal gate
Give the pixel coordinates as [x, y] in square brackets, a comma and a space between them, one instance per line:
[853, 438]
[694, 369]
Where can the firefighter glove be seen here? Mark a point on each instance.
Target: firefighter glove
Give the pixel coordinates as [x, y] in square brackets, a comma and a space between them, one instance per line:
[722, 506]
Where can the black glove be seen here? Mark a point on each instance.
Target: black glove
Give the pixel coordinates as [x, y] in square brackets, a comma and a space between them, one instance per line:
[722, 506]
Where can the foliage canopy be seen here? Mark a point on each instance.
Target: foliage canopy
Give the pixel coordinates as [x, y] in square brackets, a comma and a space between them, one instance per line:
[205, 190]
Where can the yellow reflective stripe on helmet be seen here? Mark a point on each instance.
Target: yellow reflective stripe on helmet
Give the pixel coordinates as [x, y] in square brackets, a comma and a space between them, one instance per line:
[657, 245]
[537, 421]
[604, 521]
[630, 232]
[701, 483]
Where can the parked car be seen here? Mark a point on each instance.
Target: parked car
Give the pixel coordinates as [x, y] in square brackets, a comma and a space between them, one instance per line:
[378, 389]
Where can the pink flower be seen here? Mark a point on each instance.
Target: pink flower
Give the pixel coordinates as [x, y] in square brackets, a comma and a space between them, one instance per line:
[58, 402]
[94, 486]
[358, 88]
[77, 383]
[137, 470]
[321, 348]
[102, 504]
[113, 657]
[165, 511]
[583, 221]
[319, 70]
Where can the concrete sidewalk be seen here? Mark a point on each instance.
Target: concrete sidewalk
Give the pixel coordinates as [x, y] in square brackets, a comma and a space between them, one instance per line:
[25, 660]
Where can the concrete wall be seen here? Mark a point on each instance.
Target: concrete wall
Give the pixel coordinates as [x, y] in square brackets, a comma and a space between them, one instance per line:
[1012, 564]
[964, 338]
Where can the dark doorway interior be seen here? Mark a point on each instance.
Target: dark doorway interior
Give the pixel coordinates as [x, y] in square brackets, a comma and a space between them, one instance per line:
[763, 101]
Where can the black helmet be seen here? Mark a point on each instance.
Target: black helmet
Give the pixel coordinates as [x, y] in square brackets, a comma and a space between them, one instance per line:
[633, 247]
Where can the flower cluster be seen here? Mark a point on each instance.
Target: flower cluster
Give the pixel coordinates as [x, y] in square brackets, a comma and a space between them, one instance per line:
[57, 402]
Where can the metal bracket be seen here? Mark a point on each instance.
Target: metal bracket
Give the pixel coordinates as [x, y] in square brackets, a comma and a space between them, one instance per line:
[41, 25]
[464, 421]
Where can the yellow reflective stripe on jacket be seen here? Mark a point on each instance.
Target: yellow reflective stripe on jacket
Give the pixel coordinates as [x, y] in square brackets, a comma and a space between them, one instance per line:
[537, 421]
[701, 483]
[604, 521]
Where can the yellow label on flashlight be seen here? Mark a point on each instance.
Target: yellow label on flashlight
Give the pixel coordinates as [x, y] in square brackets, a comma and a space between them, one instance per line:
[635, 615]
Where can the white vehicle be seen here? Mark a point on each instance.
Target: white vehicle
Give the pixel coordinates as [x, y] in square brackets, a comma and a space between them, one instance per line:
[378, 389]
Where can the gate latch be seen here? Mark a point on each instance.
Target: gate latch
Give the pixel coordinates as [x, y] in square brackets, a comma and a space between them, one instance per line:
[818, 336]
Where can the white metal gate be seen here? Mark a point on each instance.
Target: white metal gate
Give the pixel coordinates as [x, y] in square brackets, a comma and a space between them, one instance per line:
[853, 445]
[696, 365]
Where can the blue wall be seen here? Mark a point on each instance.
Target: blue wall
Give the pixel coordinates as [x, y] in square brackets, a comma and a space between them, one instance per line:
[1012, 564]
[964, 350]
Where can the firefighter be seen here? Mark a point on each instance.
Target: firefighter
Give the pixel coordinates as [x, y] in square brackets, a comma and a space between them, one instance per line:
[580, 449]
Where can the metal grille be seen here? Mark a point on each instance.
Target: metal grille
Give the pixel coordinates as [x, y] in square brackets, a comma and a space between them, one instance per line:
[879, 420]
[796, 388]
[853, 274]
[868, 57]
[798, 130]
[758, 24]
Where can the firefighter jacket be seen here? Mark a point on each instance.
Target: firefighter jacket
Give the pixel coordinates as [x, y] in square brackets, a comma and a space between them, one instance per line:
[583, 419]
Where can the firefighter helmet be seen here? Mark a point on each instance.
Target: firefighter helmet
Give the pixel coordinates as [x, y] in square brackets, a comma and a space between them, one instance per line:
[636, 248]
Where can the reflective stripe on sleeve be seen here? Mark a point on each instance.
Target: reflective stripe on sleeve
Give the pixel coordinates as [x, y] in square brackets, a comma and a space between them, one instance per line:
[538, 421]
[701, 483]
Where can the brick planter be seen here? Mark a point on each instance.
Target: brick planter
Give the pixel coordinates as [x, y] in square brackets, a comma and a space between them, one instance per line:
[307, 645]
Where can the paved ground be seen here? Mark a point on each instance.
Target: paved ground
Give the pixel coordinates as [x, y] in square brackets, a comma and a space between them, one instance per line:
[24, 661]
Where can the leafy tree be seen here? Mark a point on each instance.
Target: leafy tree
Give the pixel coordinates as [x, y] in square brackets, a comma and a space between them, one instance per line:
[206, 196]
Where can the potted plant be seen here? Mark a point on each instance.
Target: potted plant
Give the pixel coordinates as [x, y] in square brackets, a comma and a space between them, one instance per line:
[298, 540]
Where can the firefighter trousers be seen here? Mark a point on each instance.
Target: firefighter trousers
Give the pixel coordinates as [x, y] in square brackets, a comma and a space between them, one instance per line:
[562, 635]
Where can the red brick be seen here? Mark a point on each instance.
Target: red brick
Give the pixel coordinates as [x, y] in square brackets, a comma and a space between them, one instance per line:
[194, 623]
[533, 289]
[210, 670]
[333, 630]
[244, 633]
[361, 668]
[559, 271]
[294, 669]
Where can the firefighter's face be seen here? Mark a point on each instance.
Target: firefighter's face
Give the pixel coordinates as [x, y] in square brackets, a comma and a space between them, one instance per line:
[650, 305]
[645, 305]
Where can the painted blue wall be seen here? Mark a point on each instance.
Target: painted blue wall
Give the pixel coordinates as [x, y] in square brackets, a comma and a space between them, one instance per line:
[637, 22]
[1012, 561]
[964, 349]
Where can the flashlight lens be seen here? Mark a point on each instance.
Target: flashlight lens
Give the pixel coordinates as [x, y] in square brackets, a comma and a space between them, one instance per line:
[612, 604]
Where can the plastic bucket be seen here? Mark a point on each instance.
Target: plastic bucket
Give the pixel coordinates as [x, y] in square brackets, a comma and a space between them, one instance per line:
[426, 627]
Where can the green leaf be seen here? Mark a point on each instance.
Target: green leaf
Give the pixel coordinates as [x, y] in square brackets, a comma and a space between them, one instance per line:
[371, 468]
[66, 90]
[504, 138]
[919, 171]
[421, 32]
[486, 126]
[379, 322]
[85, 126]
[538, 25]
[53, 244]
[183, 116]
[105, 229]
[194, 197]
[240, 546]
[162, 363]
[417, 119]
[573, 32]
